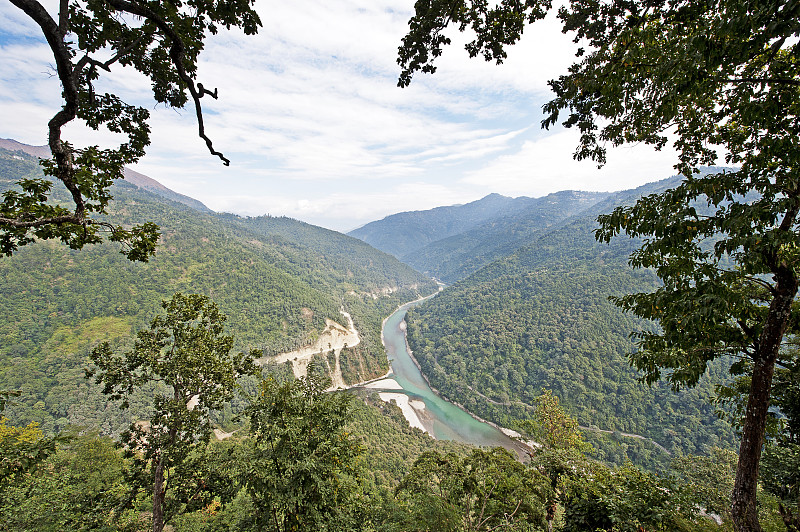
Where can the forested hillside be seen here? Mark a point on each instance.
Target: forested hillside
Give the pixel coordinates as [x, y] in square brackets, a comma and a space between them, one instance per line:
[457, 256]
[539, 319]
[276, 279]
[406, 232]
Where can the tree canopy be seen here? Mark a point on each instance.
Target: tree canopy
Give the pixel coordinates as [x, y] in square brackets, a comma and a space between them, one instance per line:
[161, 40]
[187, 351]
[719, 80]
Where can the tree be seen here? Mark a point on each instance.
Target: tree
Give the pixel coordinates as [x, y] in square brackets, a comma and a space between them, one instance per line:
[721, 78]
[562, 448]
[709, 478]
[486, 490]
[187, 352]
[161, 40]
[79, 487]
[22, 449]
[300, 466]
[554, 428]
[628, 499]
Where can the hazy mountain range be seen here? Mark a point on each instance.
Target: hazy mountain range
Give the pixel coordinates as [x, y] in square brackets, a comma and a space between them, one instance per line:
[527, 308]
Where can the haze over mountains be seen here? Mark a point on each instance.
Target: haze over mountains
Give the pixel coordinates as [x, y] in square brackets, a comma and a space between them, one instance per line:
[278, 280]
[449, 243]
[527, 308]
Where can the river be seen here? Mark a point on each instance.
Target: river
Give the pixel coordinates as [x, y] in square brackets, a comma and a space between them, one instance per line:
[442, 419]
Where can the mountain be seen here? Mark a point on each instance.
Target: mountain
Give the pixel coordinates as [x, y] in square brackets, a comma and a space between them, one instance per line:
[449, 243]
[282, 284]
[539, 318]
[406, 232]
[140, 180]
[455, 257]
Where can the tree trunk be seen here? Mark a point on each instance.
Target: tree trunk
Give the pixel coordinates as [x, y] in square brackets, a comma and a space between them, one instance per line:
[158, 497]
[744, 510]
[551, 515]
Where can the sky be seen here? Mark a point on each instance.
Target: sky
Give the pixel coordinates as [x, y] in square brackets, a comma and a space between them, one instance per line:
[310, 115]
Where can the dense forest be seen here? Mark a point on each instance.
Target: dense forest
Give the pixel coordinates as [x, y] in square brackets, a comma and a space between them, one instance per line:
[277, 280]
[506, 342]
[347, 464]
[539, 319]
[633, 339]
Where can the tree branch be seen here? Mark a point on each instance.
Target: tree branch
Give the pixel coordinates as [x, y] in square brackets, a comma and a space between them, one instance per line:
[176, 52]
[61, 153]
[86, 59]
[760, 282]
[40, 222]
[63, 17]
[766, 81]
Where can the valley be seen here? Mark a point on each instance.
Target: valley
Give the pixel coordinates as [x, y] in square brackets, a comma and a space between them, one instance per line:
[536, 318]
[442, 369]
[583, 349]
[424, 408]
[281, 284]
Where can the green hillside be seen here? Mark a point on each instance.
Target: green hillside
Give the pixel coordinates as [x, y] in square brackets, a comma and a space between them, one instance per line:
[540, 319]
[406, 232]
[457, 256]
[276, 279]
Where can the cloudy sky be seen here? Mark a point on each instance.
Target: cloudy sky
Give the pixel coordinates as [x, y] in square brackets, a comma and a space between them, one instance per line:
[310, 115]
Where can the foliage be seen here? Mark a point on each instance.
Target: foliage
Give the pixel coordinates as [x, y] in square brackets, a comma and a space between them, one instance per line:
[80, 487]
[22, 449]
[540, 319]
[560, 451]
[710, 478]
[276, 279]
[627, 500]
[485, 490]
[723, 77]
[299, 468]
[390, 446]
[5, 397]
[187, 351]
[157, 39]
[552, 427]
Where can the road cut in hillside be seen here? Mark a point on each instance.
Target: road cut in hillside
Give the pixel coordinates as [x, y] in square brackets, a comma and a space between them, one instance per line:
[333, 338]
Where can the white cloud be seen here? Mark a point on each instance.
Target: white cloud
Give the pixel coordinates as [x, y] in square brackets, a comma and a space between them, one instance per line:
[310, 106]
[546, 165]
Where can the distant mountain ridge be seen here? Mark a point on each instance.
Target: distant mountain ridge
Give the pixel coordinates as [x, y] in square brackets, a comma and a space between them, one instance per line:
[279, 282]
[403, 233]
[457, 256]
[131, 176]
[451, 242]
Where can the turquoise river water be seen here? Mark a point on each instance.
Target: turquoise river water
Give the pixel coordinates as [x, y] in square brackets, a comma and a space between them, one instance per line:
[449, 421]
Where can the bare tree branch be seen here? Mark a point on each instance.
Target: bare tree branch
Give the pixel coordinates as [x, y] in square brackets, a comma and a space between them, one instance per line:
[176, 53]
[61, 153]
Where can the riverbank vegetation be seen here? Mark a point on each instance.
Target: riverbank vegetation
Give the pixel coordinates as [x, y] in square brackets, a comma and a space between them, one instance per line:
[305, 459]
[541, 319]
[717, 82]
[277, 280]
